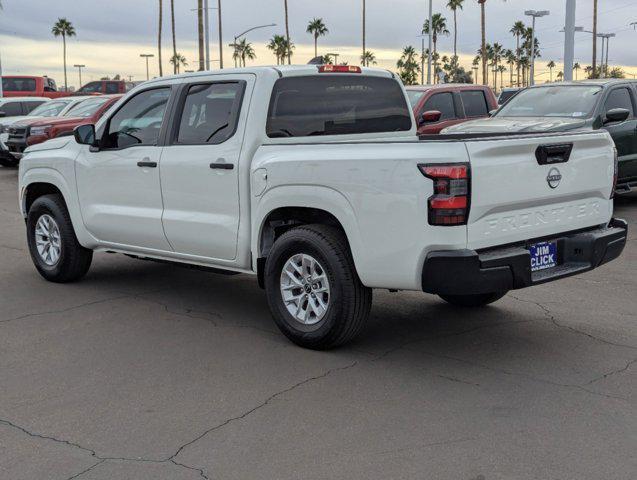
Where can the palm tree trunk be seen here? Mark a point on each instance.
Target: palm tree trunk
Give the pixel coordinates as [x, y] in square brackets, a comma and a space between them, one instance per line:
[161, 21]
[364, 26]
[220, 34]
[202, 58]
[287, 33]
[485, 73]
[315, 45]
[172, 21]
[455, 34]
[517, 54]
[510, 75]
[66, 85]
[594, 64]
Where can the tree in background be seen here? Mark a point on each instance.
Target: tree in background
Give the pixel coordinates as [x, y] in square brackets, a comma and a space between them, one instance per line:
[408, 66]
[454, 5]
[279, 46]
[518, 31]
[368, 58]
[560, 76]
[317, 28]
[551, 66]
[511, 61]
[161, 21]
[616, 72]
[178, 61]
[244, 50]
[576, 68]
[438, 27]
[63, 28]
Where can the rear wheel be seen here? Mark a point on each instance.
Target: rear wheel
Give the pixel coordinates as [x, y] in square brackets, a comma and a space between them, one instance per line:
[313, 290]
[55, 251]
[479, 300]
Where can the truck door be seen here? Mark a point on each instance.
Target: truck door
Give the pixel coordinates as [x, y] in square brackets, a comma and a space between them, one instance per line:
[624, 133]
[200, 168]
[444, 103]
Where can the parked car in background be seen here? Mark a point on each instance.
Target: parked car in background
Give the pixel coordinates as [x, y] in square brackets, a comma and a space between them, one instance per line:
[30, 86]
[22, 135]
[439, 106]
[49, 108]
[313, 179]
[18, 106]
[506, 94]
[609, 104]
[105, 87]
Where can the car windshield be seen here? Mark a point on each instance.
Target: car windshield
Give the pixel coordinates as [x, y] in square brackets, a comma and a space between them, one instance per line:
[49, 109]
[558, 101]
[87, 108]
[414, 96]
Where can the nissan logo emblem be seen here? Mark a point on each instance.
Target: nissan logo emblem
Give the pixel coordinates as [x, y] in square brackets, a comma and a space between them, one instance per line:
[554, 178]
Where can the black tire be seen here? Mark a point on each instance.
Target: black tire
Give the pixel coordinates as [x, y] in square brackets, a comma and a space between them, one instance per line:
[74, 260]
[9, 162]
[479, 300]
[349, 301]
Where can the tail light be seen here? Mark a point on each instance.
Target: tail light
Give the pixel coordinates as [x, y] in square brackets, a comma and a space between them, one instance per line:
[615, 173]
[339, 69]
[449, 205]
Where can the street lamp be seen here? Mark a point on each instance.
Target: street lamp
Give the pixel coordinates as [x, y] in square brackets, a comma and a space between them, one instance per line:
[535, 14]
[236, 37]
[147, 56]
[79, 68]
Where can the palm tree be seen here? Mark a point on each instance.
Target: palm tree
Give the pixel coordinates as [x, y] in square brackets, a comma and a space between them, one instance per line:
[454, 5]
[475, 63]
[278, 45]
[368, 59]
[172, 22]
[551, 66]
[511, 60]
[200, 36]
[317, 28]
[576, 67]
[483, 34]
[439, 27]
[501, 69]
[161, 20]
[63, 28]
[287, 31]
[560, 76]
[594, 64]
[408, 66]
[518, 30]
[496, 56]
[243, 50]
[178, 61]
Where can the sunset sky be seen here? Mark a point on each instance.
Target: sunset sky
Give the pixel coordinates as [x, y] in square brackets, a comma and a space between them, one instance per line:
[111, 34]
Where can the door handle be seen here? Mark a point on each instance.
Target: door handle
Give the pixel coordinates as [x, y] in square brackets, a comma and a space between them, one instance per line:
[147, 163]
[222, 166]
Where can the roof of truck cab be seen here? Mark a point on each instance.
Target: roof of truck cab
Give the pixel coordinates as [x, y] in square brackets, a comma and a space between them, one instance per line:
[443, 86]
[280, 70]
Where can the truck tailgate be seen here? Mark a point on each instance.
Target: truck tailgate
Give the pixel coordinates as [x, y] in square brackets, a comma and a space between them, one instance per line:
[517, 195]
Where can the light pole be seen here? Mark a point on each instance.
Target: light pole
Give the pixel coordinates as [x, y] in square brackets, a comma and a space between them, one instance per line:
[79, 68]
[236, 37]
[206, 21]
[607, 37]
[569, 40]
[430, 39]
[335, 55]
[535, 14]
[147, 56]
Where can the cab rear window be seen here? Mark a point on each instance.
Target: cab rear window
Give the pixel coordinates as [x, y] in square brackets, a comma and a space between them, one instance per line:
[337, 104]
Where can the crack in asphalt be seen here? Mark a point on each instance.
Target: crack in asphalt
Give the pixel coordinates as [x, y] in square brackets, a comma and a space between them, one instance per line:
[551, 317]
[181, 448]
[613, 372]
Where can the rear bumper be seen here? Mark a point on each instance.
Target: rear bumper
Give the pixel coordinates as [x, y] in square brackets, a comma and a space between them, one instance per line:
[465, 272]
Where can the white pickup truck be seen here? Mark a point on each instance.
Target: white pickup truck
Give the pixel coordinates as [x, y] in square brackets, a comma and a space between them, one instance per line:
[313, 178]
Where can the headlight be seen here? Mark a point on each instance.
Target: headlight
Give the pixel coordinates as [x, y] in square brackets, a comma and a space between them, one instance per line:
[43, 130]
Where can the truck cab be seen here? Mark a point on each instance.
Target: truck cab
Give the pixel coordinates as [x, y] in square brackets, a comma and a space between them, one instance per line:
[30, 86]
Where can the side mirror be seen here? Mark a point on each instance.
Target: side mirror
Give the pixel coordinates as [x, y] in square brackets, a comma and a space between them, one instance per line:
[3, 114]
[85, 134]
[493, 112]
[616, 115]
[430, 116]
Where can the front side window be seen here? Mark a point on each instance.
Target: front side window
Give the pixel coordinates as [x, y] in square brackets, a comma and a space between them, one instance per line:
[139, 121]
[442, 102]
[475, 103]
[336, 104]
[619, 98]
[19, 84]
[49, 109]
[210, 113]
[556, 101]
[11, 109]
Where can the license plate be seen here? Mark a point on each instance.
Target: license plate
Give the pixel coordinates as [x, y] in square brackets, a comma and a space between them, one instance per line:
[543, 256]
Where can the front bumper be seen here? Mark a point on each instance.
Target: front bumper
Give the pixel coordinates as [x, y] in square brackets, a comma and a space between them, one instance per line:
[16, 148]
[467, 272]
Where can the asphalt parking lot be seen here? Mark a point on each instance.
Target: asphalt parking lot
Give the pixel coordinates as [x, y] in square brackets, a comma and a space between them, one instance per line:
[149, 371]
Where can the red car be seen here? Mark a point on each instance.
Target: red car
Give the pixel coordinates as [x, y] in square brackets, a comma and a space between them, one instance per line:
[106, 87]
[29, 86]
[440, 106]
[89, 111]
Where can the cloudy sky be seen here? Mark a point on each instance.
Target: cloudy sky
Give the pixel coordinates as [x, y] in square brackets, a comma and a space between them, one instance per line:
[112, 33]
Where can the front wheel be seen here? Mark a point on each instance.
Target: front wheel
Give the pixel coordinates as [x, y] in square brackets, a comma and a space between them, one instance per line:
[55, 251]
[313, 290]
[479, 300]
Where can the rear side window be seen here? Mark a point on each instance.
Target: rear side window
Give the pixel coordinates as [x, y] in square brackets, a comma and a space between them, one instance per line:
[11, 109]
[210, 113]
[337, 104]
[19, 84]
[475, 103]
[619, 98]
[112, 87]
[443, 102]
[92, 87]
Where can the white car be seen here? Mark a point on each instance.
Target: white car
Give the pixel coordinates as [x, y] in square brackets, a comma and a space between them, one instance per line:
[313, 179]
[43, 108]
